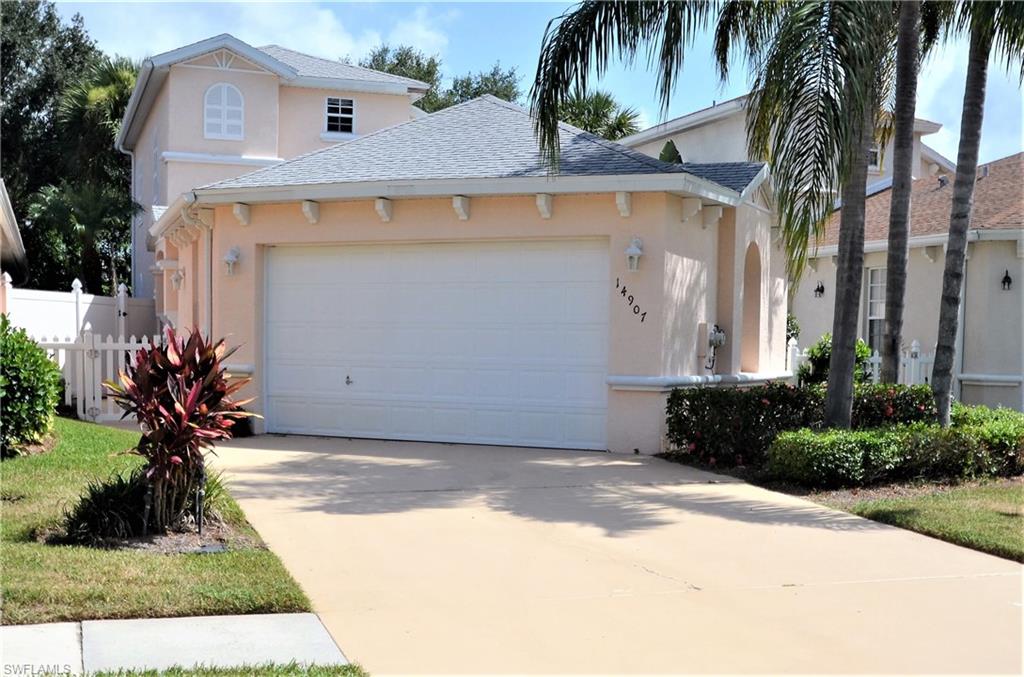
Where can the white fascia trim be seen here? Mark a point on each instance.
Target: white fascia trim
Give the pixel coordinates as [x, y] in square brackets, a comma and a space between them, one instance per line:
[973, 235]
[212, 159]
[141, 82]
[168, 218]
[760, 178]
[666, 383]
[701, 117]
[671, 183]
[9, 223]
[938, 158]
[224, 41]
[346, 85]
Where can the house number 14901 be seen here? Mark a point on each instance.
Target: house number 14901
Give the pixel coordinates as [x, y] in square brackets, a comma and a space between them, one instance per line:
[624, 293]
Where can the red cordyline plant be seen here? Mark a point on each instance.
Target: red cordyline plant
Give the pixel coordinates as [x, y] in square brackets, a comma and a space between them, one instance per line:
[181, 397]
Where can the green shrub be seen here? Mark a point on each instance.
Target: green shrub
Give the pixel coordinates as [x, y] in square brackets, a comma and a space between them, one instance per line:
[887, 404]
[918, 451]
[735, 426]
[114, 508]
[815, 368]
[29, 390]
[834, 458]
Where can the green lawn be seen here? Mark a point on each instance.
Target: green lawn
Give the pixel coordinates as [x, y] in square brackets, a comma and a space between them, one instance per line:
[291, 670]
[987, 517]
[43, 583]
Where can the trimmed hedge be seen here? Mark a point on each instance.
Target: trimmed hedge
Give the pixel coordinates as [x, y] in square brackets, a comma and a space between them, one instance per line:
[29, 390]
[815, 369]
[735, 426]
[845, 458]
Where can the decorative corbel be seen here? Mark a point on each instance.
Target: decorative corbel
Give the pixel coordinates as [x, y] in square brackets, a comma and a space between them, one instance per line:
[241, 212]
[544, 205]
[384, 209]
[1020, 247]
[460, 203]
[691, 207]
[931, 253]
[710, 216]
[624, 202]
[311, 210]
[812, 263]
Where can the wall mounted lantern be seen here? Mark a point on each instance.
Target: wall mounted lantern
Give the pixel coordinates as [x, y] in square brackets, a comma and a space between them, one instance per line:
[231, 258]
[177, 279]
[633, 253]
[1007, 281]
[819, 291]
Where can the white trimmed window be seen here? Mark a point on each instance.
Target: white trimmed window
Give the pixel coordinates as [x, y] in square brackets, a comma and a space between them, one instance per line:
[876, 307]
[223, 112]
[874, 156]
[339, 115]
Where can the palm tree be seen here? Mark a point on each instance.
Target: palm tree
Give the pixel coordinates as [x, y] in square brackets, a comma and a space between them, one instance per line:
[991, 25]
[908, 43]
[90, 115]
[598, 113]
[819, 68]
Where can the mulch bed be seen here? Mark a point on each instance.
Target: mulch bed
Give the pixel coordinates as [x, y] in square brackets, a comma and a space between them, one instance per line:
[217, 537]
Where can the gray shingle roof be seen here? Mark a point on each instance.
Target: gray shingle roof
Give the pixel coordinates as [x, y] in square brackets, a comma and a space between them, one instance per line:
[480, 139]
[316, 67]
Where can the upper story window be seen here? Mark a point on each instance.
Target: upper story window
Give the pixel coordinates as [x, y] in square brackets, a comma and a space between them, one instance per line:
[874, 156]
[223, 112]
[340, 113]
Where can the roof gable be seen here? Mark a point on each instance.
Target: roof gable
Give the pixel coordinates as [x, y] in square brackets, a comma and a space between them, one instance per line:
[485, 138]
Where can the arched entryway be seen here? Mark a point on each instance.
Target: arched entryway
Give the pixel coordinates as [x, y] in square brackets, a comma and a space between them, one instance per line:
[750, 342]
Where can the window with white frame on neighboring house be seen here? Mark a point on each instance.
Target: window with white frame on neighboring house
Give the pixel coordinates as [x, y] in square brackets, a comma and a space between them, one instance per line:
[223, 112]
[874, 156]
[876, 307]
[340, 113]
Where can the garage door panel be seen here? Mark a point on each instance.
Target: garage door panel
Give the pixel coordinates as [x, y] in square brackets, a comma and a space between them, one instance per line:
[501, 343]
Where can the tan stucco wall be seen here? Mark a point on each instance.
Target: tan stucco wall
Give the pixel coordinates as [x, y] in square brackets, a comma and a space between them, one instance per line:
[993, 326]
[674, 285]
[302, 115]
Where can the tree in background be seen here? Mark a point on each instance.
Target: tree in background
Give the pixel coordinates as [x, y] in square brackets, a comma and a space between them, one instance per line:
[669, 153]
[599, 113]
[41, 55]
[409, 62]
[81, 225]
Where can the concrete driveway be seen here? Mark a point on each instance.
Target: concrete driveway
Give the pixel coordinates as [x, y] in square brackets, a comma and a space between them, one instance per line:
[432, 558]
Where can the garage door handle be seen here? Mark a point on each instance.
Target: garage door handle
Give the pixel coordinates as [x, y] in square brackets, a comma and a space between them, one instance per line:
[348, 380]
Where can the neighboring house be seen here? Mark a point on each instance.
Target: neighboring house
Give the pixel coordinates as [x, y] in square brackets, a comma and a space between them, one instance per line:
[12, 251]
[220, 107]
[718, 133]
[990, 356]
[435, 281]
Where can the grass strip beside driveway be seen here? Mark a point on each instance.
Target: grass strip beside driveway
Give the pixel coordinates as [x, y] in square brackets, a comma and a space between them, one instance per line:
[987, 517]
[44, 583]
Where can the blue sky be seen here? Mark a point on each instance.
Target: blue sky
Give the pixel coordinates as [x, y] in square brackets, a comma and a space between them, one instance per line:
[472, 36]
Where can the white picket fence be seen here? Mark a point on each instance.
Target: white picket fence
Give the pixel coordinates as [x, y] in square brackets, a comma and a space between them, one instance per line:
[915, 366]
[86, 363]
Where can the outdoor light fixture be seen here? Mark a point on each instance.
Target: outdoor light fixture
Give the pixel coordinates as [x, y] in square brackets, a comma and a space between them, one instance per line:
[633, 253]
[1007, 281]
[177, 278]
[231, 258]
[819, 291]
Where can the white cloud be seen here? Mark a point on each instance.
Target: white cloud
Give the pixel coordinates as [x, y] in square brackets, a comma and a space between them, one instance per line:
[312, 28]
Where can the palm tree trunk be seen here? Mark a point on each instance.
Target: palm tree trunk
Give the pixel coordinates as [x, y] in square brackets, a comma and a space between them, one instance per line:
[849, 271]
[907, 62]
[960, 218]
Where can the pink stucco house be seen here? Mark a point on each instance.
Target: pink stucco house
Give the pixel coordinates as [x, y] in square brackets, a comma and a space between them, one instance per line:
[427, 277]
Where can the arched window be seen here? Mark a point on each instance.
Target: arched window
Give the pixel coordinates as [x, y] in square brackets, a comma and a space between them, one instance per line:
[223, 112]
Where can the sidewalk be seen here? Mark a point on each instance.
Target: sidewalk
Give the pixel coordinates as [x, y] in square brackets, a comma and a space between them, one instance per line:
[160, 643]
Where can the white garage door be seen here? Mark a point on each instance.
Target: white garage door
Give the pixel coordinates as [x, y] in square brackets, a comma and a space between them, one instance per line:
[490, 343]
